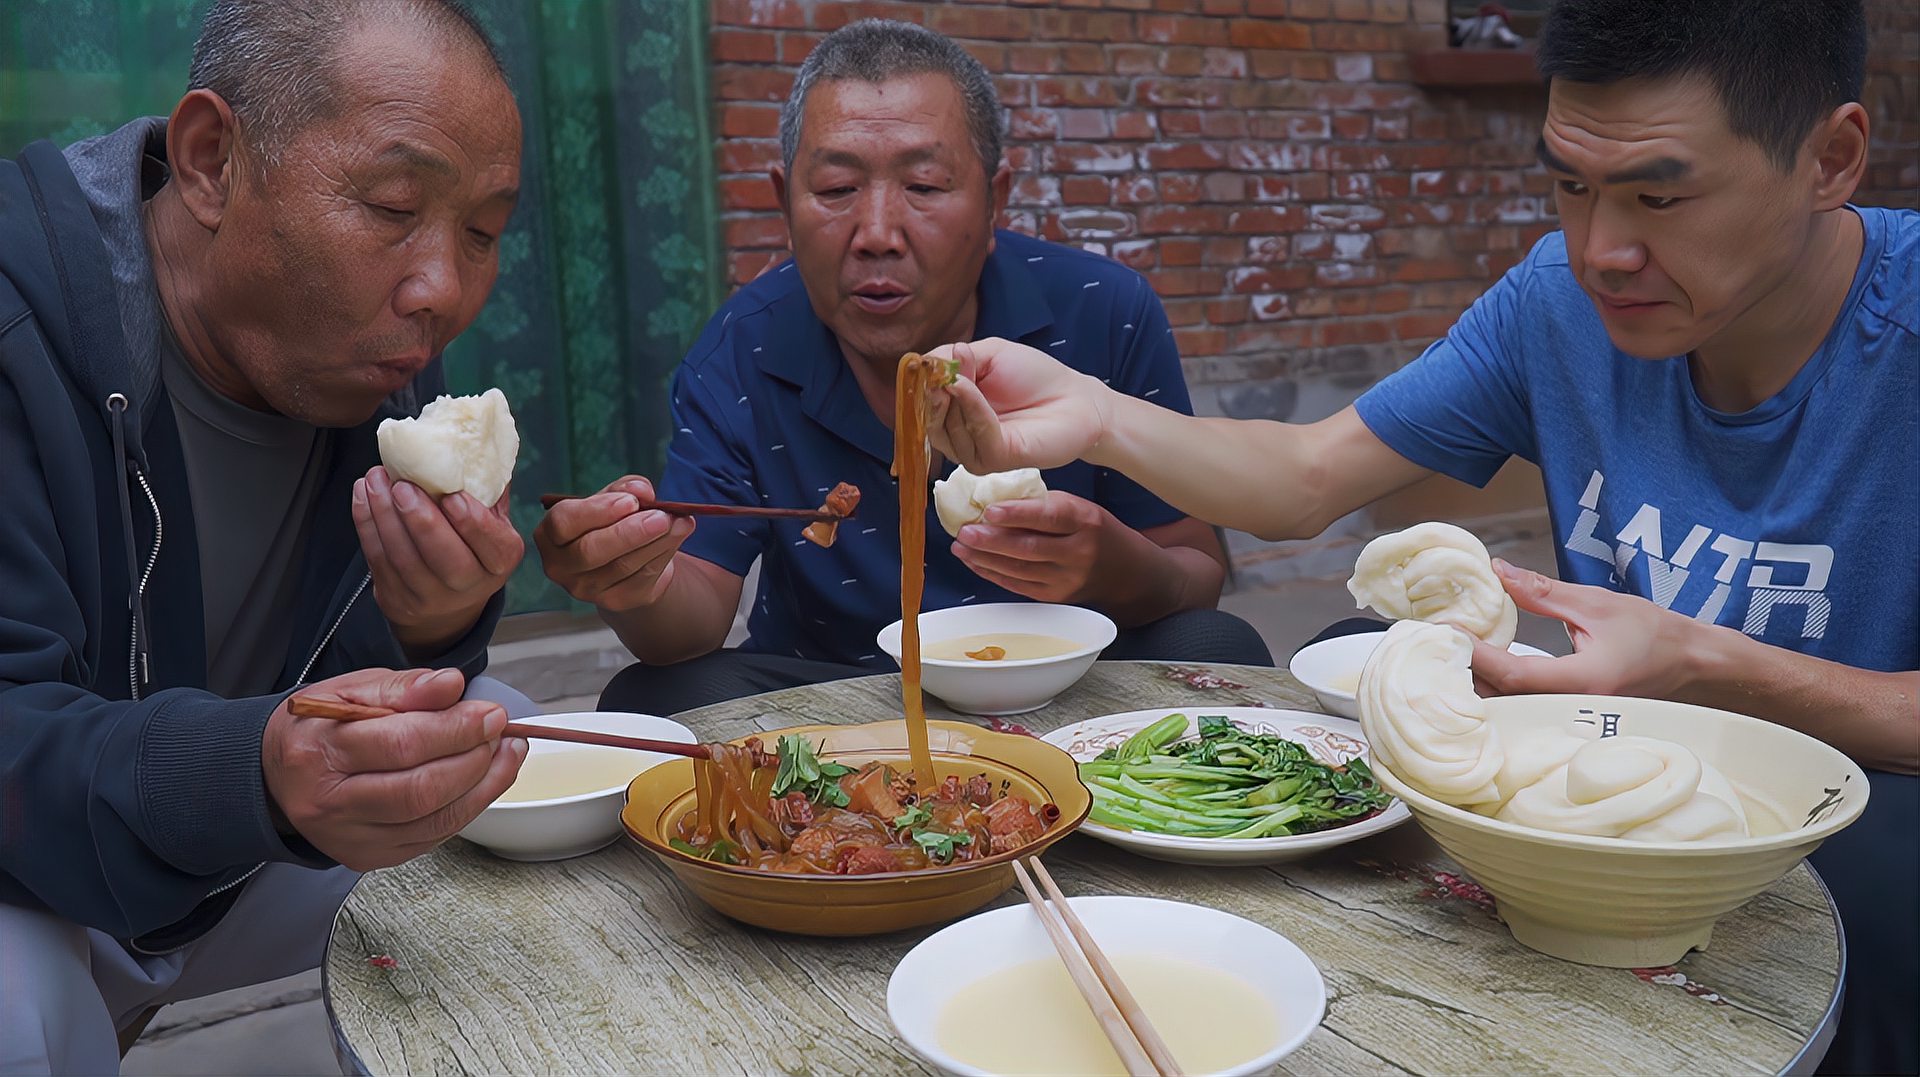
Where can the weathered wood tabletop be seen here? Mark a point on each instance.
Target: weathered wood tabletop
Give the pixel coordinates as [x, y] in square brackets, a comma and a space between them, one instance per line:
[462, 962]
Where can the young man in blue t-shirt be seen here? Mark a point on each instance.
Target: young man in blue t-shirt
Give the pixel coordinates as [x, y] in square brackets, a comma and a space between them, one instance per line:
[1715, 365]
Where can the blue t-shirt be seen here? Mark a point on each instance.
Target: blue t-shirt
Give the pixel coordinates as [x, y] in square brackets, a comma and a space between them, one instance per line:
[1797, 522]
[765, 410]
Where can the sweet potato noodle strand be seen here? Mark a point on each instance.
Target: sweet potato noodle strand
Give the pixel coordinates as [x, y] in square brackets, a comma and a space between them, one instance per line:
[912, 379]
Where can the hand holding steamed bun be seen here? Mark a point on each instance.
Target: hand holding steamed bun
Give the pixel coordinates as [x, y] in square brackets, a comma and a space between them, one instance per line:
[432, 520]
[1439, 573]
[963, 498]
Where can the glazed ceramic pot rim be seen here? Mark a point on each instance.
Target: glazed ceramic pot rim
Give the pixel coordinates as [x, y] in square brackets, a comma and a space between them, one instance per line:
[1061, 827]
[1847, 813]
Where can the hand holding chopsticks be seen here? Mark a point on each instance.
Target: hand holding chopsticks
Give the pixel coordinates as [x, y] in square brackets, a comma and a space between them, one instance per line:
[341, 710]
[1133, 1036]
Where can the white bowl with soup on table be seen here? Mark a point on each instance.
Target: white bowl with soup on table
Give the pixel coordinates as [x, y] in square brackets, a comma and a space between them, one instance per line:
[1004, 657]
[566, 801]
[989, 995]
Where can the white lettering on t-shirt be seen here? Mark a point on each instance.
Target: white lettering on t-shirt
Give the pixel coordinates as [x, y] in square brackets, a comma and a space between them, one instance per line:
[1643, 536]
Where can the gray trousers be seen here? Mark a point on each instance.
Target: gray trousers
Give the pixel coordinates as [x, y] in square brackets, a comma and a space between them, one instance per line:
[66, 990]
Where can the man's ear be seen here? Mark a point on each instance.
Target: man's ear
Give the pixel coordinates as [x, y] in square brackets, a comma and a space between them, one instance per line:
[202, 155]
[1839, 148]
[777, 175]
[999, 188]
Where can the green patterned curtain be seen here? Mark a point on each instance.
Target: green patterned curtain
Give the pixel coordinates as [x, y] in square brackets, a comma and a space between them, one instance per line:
[612, 261]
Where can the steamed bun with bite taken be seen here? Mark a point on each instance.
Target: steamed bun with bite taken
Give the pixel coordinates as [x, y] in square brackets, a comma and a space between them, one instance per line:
[962, 498]
[1438, 573]
[458, 443]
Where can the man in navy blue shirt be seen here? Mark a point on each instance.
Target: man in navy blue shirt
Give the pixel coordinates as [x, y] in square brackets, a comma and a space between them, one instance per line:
[1716, 365]
[891, 180]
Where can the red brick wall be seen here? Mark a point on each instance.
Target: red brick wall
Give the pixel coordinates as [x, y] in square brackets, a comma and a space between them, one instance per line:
[1893, 103]
[1309, 216]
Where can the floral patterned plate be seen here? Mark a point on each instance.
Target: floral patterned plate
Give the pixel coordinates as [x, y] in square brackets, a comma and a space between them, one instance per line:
[1330, 739]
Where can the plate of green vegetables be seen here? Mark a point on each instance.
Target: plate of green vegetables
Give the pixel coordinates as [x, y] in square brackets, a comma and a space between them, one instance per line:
[1227, 785]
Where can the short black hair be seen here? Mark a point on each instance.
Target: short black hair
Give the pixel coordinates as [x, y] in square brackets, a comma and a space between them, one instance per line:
[1778, 66]
[877, 50]
[271, 60]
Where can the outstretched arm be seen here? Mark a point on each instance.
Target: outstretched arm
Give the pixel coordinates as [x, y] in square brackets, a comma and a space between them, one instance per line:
[1015, 406]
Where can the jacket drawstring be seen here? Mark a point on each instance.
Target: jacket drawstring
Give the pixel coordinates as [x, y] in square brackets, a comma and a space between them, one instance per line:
[137, 645]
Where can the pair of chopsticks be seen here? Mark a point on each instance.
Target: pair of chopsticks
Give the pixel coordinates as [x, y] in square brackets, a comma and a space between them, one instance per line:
[340, 710]
[1134, 1039]
[689, 508]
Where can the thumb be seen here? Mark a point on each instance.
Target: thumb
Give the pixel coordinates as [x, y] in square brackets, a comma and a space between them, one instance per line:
[425, 690]
[1540, 594]
[1499, 672]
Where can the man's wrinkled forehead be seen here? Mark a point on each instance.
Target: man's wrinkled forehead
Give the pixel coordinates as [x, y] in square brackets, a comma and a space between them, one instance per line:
[1633, 131]
[916, 118]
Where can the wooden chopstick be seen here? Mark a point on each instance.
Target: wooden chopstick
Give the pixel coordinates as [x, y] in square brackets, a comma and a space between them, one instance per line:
[1129, 1007]
[1105, 1010]
[689, 508]
[340, 710]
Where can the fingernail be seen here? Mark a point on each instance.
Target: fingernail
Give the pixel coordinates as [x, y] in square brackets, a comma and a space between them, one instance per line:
[360, 490]
[655, 524]
[405, 497]
[970, 534]
[519, 746]
[441, 678]
[456, 506]
[494, 723]
[994, 514]
[627, 503]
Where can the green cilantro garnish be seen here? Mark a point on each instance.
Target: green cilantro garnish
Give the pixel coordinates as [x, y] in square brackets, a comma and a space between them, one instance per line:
[940, 846]
[802, 771]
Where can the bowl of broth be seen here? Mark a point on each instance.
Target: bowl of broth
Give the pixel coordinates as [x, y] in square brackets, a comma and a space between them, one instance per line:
[1004, 657]
[566, 800]
[1331, 668]
[989, 995]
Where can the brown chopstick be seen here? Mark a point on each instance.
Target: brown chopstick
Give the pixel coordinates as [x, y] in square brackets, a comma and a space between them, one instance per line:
[690, 508]
[339, 710]
[1106, 1010]
[1129, 1007]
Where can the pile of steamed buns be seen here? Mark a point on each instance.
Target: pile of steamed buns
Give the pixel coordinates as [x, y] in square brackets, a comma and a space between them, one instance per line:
[1429, 728]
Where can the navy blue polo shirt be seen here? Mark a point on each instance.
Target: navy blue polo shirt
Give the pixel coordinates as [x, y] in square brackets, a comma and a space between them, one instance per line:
[766, 411]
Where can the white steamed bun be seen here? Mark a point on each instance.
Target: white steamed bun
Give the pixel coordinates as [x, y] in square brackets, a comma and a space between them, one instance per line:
[1425, 724]
[962, 498]
[458, 443]
[1435, 572]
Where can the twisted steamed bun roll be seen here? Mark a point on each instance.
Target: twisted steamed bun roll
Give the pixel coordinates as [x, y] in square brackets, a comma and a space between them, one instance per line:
[1642, 788]
[963, 498]
[1435, 572]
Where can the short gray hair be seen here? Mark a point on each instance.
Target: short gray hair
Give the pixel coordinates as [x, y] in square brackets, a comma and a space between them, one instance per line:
[879, 50]
[272, 61]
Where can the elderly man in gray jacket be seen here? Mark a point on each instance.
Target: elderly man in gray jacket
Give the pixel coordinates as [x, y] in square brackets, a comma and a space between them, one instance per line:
[202, 320]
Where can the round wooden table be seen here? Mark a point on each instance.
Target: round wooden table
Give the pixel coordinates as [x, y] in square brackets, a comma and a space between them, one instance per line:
[462, 962]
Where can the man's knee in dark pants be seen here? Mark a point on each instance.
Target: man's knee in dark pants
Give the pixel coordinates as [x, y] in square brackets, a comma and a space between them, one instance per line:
[1192, 636]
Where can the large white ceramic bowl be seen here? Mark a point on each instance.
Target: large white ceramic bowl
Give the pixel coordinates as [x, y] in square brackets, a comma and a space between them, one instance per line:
[1005, 687]
[1329, 739]
[1331, 668]
[570, 826]
[951, 959]
[1644, 904]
